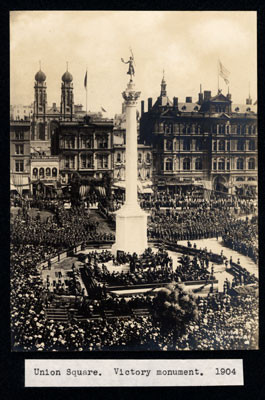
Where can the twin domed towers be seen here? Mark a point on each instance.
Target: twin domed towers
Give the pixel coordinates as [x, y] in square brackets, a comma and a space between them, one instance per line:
[67, 96]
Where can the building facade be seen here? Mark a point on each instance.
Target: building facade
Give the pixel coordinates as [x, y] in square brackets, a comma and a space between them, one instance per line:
[211, 141]
[19, 156]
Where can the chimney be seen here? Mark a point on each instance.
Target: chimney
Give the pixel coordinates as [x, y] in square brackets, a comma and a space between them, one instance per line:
[175, 102]
[150, 100]
[142, 107]
[53, 105]
[207, 95]
[188, 99]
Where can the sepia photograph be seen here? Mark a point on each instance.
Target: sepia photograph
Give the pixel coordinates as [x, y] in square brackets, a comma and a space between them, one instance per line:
[133, 181]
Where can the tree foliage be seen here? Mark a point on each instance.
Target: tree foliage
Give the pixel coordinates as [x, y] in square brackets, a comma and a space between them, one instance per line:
[173, 310]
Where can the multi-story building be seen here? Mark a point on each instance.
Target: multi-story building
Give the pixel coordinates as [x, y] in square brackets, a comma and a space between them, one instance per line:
[85, 146]
[20, 156]
[211, 141]
[20, 112]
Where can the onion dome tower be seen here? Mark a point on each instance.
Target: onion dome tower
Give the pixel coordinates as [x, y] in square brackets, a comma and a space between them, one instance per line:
[40, 100]
[67, 96]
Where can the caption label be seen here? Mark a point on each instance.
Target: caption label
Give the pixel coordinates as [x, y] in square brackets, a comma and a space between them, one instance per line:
[118, 373]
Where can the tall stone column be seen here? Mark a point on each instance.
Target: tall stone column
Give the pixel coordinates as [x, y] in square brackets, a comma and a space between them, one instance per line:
[131, 220]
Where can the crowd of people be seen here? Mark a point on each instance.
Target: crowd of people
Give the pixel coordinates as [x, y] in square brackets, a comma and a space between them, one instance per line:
[224, 321]
[242, 236]
[63, 230]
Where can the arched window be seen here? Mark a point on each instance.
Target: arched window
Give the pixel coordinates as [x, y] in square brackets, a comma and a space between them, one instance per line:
[251, 163]
[169, 145]
[240, 144]
[251, 145]
[221, 164]
[198, 163]
[118, 157]
[186, 144]
[240, 163]
[54, 172]
[41, 172]
[227, 128]
[186, 164]
[41, 129]
[48, 171]
[35, 171]
[148, 158]
[221, 145]
[198, 144]
[169, 164]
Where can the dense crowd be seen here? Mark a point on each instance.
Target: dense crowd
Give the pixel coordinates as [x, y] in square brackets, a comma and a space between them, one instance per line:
[242, 236]
[63, 230]
[224, 321]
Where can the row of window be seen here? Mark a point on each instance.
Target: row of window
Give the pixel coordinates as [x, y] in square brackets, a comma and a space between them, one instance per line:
[87, 161]
[168, 128]
[220, 165]
[186, 164]
[48, 172]
[85, 143]
[186, 144]
[240, 145]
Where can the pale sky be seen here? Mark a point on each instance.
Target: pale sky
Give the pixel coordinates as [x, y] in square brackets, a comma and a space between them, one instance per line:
[186, 44]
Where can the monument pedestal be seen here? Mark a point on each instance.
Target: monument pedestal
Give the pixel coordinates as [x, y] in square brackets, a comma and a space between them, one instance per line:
[131, 228]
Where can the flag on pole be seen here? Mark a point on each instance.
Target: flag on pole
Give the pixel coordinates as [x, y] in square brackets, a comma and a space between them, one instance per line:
[85, 81]
[103, 109]
[223, 72]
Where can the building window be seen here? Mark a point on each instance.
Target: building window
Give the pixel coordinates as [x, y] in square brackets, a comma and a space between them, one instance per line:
[54, 172]
[251, 145]
[70, 143]
[119, 157]
[198, 144]
[41, 128]
[167, 128]
[228, 165]
[69, 162]
[221, 145]
[19, 149]
[19, 165]
[86, 161]
[86, 142]
[148, 174]
[148, 158]
[186, 164]
[169, 164]
[240, 163]
[228, 145]
[186, 144]
[240, 144]
[214, 165]
[251, 163]
[221, 128]
[41, 172]
[102, 161]
[102, 142]
[48, 171]
[169, 145]
[198, 163]
[221, 164]
[19, 135]
[35, 172]
[238, 129]
[215, 145]
[139, 157]
[227, 129]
